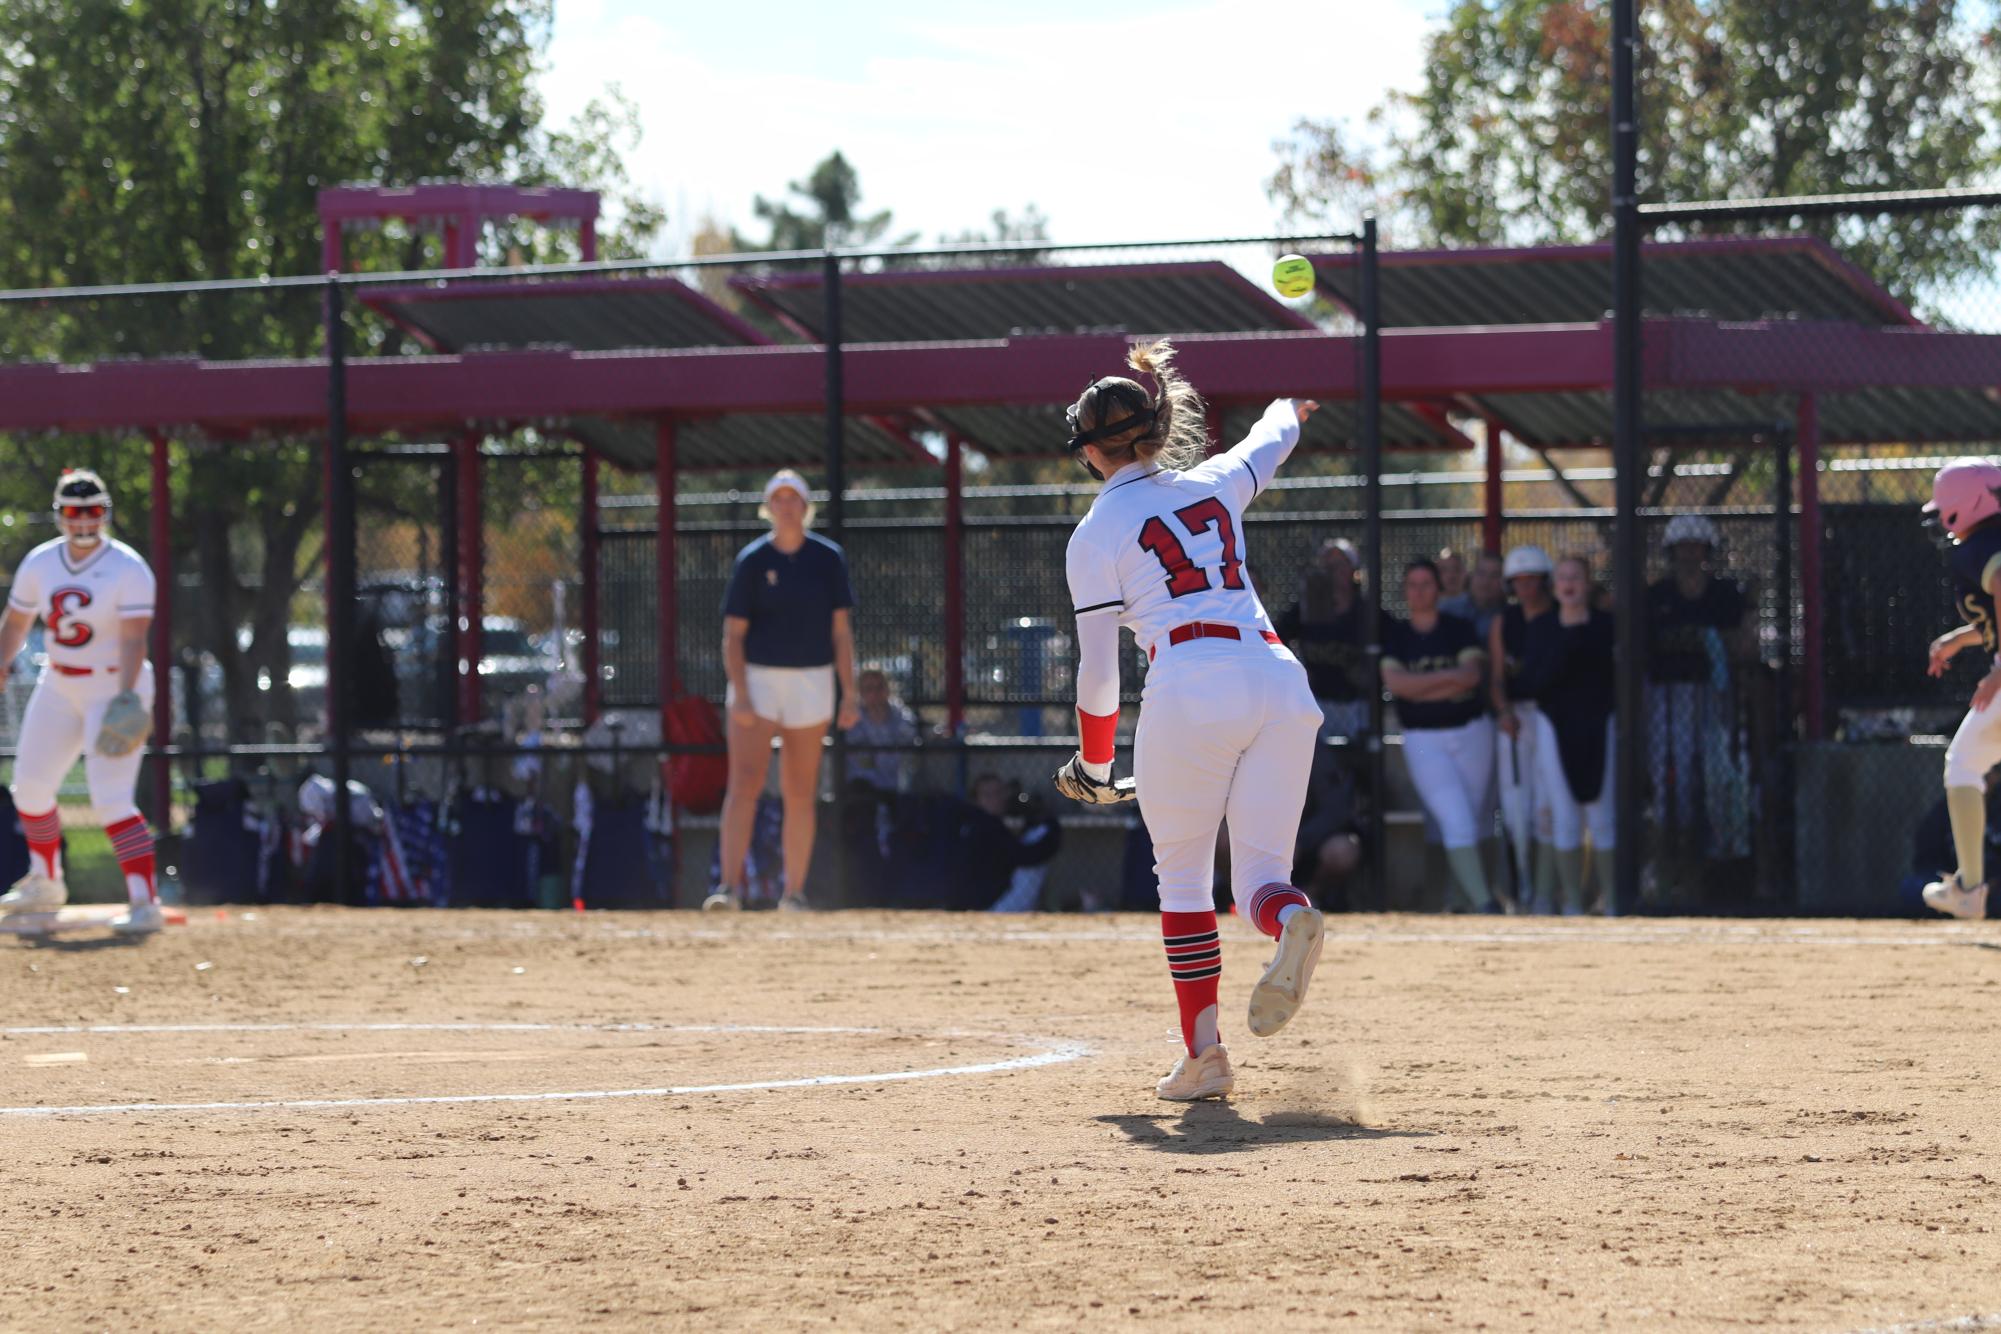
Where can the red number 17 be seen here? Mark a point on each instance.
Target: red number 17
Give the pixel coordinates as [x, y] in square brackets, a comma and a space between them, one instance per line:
[1183, 575]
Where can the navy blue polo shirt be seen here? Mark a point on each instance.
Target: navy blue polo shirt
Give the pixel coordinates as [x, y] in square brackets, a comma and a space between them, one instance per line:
[789, 600]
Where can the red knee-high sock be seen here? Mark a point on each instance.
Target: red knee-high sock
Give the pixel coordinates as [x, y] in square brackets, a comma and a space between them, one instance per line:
[1268, 902]
[45, 842]
[1195, 959]
[133, 843]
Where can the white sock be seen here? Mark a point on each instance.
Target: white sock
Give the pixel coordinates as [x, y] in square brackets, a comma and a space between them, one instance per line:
[1285, 914]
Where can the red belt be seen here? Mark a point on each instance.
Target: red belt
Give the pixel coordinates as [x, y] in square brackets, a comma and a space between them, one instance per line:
[80, 671]
[1181, 634]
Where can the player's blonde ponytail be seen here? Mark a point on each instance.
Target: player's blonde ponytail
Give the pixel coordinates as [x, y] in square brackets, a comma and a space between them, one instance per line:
[1174, 432]
[1180, 434]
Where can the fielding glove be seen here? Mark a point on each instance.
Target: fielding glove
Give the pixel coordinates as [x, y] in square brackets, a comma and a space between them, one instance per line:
[1075, 783]
[125, 727]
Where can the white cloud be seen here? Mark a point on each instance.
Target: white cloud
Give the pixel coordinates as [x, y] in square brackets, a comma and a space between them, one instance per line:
[1122, 129]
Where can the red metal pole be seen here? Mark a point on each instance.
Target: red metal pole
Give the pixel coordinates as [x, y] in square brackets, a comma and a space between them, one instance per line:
[1808, 431]
[1491, 521]
[161, 551]
[472, 583]
[955, 586]
[587, 239]
[669, 626]
[588, 613]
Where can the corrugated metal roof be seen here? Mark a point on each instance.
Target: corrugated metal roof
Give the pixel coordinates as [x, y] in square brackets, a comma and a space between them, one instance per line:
[1865, 416]
[1728, 278]
[933, 305]
[590, 315]
[739, 441]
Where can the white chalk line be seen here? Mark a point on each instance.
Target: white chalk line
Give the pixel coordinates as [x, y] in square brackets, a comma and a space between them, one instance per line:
[1946, 1326]
[1053, 1052]
[53, 1029]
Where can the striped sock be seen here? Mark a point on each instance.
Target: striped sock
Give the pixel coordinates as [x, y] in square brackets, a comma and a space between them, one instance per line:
[1267, 908]
[133, 844]
[45, 842]
[1195, 960]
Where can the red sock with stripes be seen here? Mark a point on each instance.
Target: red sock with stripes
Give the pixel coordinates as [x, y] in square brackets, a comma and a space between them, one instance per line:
[45, 842]
[1270, 901]
[1195, 960]
[133, 844]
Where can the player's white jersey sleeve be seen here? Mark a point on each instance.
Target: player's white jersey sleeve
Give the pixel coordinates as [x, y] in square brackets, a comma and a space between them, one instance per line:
[1244, 470]
[25, 593]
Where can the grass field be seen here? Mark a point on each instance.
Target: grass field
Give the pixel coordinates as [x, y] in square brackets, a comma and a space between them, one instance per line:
[338, 1118]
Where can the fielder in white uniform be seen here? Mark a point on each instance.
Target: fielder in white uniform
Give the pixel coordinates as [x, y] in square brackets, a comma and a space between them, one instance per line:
[1227, 722]
[95, 596]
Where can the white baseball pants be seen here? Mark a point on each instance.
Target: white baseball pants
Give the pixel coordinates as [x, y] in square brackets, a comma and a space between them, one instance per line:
[1226, 728]
[1451, 768]
[60, 724]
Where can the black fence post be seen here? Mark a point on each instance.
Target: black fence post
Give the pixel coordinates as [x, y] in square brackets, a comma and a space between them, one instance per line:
[340, 582]
[1779, 805]
[1628, 462]
[1369, 428]
[837, 488]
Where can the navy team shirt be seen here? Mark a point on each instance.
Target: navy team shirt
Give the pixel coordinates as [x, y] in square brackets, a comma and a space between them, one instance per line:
[1972, 562]
[789, 600]
[1451, 643]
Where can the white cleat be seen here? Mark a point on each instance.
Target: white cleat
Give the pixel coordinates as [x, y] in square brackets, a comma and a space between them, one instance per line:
[34, 892]
[141, 919]
[1945, 895]
[1193, 1077]
[1282, 990]
[794, 903]
[723, 900]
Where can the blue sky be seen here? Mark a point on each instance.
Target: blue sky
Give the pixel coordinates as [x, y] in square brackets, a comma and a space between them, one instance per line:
[1127, 123]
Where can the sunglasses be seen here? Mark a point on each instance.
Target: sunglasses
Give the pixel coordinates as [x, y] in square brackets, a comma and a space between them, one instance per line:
[84, 511]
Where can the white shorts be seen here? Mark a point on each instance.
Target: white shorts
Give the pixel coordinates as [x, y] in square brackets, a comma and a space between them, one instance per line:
[789, 696]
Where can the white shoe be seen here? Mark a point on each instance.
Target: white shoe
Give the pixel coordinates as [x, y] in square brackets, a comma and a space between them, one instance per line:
[1206, 1076]
[1282, 990]
[794, 903]
[34, 892]
[723, 900]
[1944, 895]
[141, 919]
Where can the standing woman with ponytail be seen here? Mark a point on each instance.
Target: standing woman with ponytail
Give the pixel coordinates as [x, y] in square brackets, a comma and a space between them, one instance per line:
[1574, 761]
[1227, 722]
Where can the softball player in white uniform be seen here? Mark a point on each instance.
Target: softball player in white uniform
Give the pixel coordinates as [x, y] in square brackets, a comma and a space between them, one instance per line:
[95, 596]
[1227, 722]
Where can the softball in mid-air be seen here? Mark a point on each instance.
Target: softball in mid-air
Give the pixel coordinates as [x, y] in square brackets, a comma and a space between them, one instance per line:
[1292, 275]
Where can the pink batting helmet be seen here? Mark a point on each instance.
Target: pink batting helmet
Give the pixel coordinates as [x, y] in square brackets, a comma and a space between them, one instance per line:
[1964, 495]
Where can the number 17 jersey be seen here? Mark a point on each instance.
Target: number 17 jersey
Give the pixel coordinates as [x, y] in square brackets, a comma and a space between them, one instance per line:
[1163, 548]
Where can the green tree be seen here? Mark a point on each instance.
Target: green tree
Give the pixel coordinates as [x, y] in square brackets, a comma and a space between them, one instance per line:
[830, 196]
[165, 140]
[1508, 139]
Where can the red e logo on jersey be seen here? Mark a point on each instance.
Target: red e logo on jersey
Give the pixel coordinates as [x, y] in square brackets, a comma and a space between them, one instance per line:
[69, 633]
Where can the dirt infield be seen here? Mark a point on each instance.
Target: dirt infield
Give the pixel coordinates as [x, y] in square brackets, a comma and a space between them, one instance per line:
[902, 1121]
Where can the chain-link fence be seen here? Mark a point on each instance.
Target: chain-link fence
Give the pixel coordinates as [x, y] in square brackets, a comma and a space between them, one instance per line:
[1844, 349]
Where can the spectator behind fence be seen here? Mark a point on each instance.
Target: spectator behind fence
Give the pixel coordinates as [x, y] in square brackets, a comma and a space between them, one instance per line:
[1328, 849]
[1451, 579]
[1324, 631]
[1486, 594]
[1574, 767]
[1433, 665]
[1008, 874]
[1695, 635]
[883, 722]
[786, 634]
[1522, 644]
